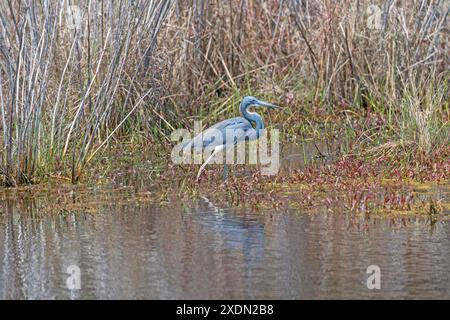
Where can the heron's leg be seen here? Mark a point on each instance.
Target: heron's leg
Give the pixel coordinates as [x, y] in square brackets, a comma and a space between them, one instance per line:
[225, 172]
[203, 166]
[216, 150]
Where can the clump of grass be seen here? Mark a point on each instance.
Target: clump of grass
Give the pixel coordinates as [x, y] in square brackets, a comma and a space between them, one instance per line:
[423, 117]
[72, 75]
[416, 127]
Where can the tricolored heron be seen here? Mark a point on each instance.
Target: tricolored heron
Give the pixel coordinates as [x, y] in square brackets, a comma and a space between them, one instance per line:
[242, 126]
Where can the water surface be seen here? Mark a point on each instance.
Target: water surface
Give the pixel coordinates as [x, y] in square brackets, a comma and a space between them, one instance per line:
[130, 249]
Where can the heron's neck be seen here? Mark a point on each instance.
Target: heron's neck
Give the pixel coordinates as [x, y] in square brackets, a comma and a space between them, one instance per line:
[252, 117]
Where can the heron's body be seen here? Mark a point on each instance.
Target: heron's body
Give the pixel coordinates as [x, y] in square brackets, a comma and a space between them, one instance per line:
[207, 138]
[215, 137]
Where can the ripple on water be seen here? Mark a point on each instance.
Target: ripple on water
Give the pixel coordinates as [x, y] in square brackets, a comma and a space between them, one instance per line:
[199, 250]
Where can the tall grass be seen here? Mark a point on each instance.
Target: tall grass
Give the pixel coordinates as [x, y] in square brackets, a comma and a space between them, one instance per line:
[75, 74]
[71, 73]
[389, 57]
[341, 50]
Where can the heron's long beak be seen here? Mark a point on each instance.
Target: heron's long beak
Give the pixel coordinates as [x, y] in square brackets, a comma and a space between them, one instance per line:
[267, 105]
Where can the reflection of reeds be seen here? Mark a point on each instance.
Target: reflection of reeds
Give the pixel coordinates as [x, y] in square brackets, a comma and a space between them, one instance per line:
[130, 67]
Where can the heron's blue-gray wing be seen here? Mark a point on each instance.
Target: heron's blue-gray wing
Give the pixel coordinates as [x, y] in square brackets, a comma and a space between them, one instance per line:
[237, 128]
[240, 129]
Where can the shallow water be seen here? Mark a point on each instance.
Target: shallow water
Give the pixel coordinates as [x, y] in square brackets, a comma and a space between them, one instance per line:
[130, 249]
[129, 246]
